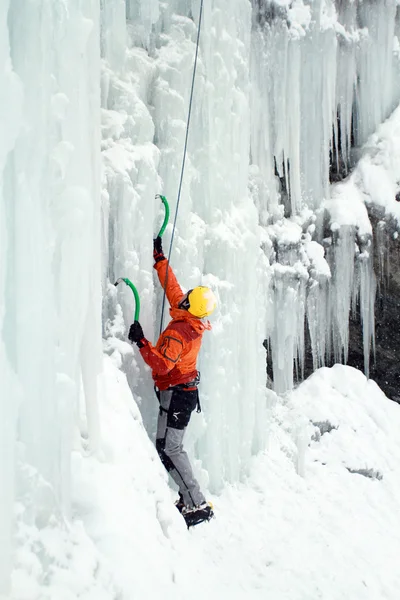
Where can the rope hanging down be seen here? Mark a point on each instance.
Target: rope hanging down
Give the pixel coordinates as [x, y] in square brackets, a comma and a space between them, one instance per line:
[183, 161]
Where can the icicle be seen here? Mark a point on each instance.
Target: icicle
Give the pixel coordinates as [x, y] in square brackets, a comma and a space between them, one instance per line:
[342, 266]
[318, 320]
[142, 15]
[52, 195]
[375, 98]
[367, 303]
[10, 122]
[295, 88]
[346, 77]
[287, 337]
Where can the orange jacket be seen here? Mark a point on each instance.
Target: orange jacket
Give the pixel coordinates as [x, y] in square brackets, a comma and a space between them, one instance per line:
[173, 359]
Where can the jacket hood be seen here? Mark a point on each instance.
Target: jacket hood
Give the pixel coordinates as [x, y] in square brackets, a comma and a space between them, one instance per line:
[179, 314]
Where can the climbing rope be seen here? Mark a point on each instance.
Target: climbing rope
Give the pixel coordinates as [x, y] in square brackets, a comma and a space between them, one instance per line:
[183, 163]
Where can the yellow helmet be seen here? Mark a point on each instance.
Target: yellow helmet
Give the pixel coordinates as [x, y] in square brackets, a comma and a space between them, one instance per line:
[201, 301]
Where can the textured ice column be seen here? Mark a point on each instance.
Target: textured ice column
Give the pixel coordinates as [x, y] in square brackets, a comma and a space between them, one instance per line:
[113, 33]
[293, 97]
[318, 80]
[144, 14]
[354, 283]
[382, 233]
[318, 111]
[348, 40]
[130, 160]
[318, 320]
[234, 374]
[367, 72]
[217, 230]
[287, 338]
[367, 303]
[261, 152]
[10, 121]
[341, 259]
[285, 74]
[30, 318]
[89, 112]
[318, 309]
[52, 187]
[375, 66]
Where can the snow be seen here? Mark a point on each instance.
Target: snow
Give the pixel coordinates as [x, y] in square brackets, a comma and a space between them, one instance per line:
[315, 253]
[373, 183]
[92, 125]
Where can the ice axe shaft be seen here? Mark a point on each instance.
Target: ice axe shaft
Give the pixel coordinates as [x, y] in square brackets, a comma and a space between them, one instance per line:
[135, 293]
[166, 217]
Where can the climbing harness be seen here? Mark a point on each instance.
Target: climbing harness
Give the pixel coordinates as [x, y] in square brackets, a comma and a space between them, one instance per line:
[183, 162]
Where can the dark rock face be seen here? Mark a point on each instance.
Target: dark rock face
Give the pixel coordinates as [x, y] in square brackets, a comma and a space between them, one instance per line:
[385, 365]
[370, 473]
[385, 358]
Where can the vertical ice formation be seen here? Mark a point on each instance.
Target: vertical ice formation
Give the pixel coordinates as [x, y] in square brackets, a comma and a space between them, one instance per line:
[10, 119]
[50, 342]
[285, 92]
[324, 75]
[145, 104]
[283, 97]
[323, 79]
[294, 75]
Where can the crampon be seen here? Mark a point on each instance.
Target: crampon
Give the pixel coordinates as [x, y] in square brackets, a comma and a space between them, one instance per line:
[198, 514]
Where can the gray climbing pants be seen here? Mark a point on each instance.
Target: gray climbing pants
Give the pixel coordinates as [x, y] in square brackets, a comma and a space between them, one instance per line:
[176, 407]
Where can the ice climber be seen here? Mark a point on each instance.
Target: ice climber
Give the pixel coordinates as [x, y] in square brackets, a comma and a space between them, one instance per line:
[173, 363]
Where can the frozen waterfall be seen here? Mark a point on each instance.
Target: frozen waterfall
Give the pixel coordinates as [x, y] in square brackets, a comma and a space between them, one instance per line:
[93, 107]
[50, 294]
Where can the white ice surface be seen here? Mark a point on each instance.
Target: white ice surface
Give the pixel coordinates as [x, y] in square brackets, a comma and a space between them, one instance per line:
[260, 93]
[301, 526]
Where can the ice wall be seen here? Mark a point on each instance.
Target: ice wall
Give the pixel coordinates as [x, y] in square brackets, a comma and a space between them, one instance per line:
[324, 76]
[144, 116]
[291, 92]
[10, 117]
[286, 92]
[283, 102]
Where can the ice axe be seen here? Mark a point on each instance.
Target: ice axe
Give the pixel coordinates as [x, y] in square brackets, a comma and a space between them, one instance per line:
[166, 217]
[135, 293]
[128, 281]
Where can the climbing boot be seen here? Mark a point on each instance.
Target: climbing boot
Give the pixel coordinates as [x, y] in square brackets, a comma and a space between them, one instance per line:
[198, 514]
[180, 505]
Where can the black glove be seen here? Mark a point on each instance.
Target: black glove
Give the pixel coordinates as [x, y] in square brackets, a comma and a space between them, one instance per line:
[158, 253]
[136, 335]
